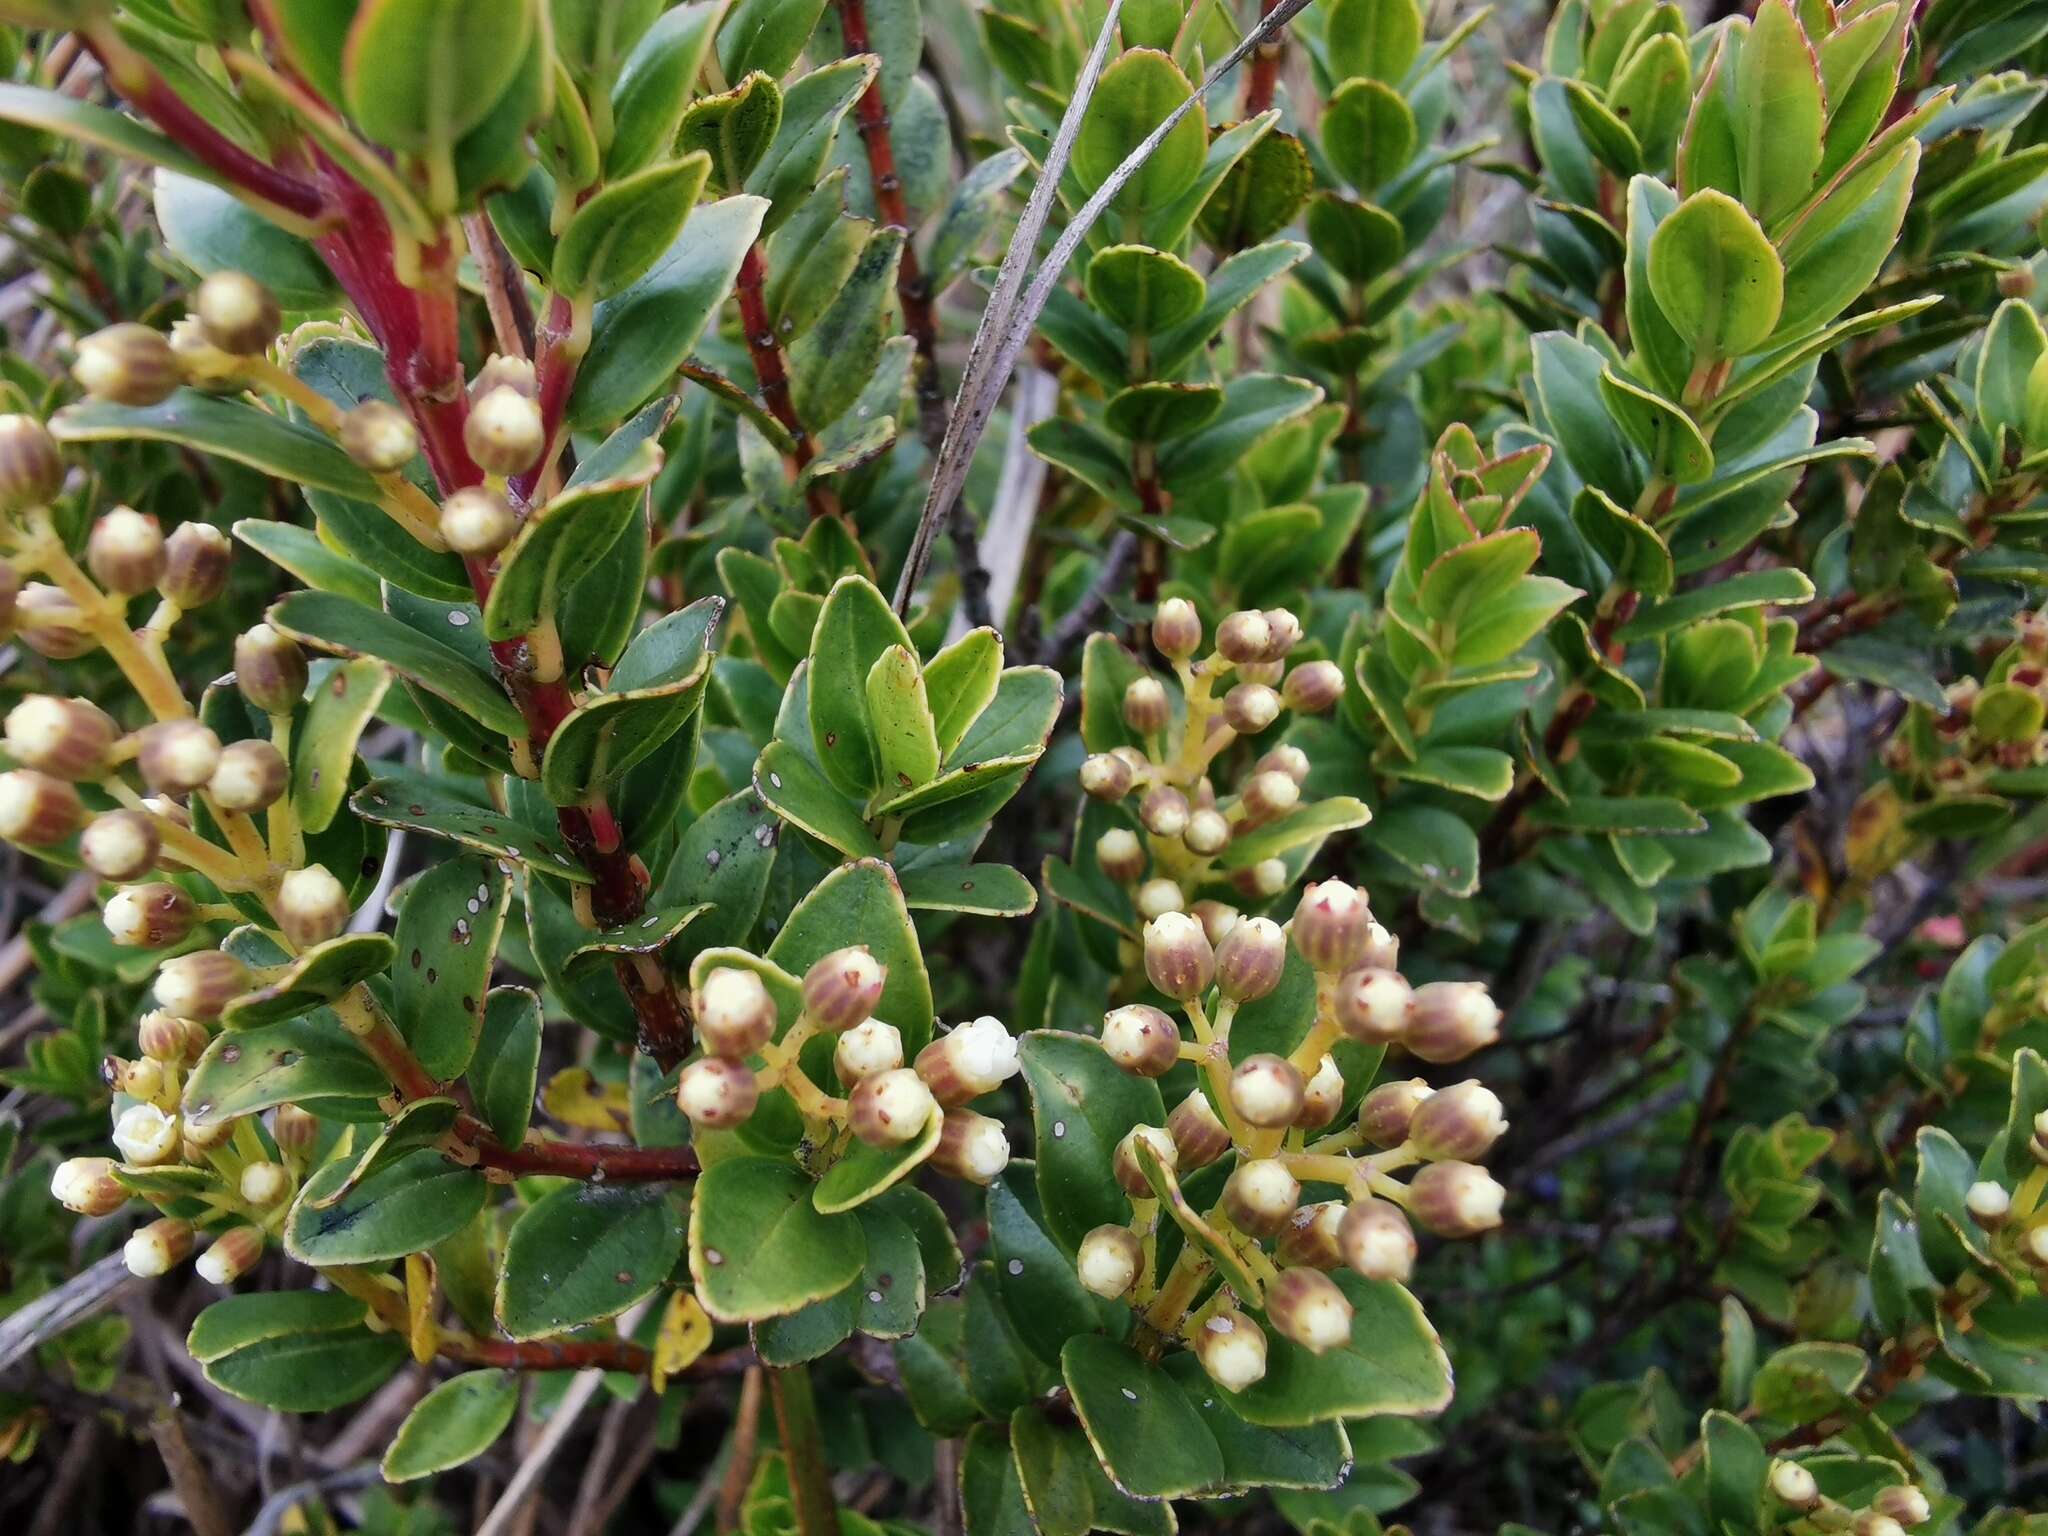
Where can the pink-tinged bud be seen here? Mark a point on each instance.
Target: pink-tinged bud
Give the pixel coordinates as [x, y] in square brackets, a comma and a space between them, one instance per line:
[1231, 1350]
[1382, 950]
[201, 984]
[1124, 1163]
[238, 313]
[866, 1050]
[1386, 1113]
[1250, 959]
[735, 1014]
[1283, 631]
[1177, 629]
[31, 469]
[1267, 1090]
[296, 1131]
[125, 552]
[1267, 673]
[1322, 1096]
[1311, 1236]
[1872, 1523]
[380, 437]
[163, 1038]
[1989, 1204]
[270, 669]
[197, 558]
[2016, 283]
[153, 915]
[1250, 708]
[158, 1248]
[1159, 896]
[145, 1136]
[37, 811]
[1217, 918]
[177, 756]
[312, 906]
[1457, 1124]
[1377, 1241]
[1314, 687]
[120, 845]
[1372, 1005]
[717, 1093]
[1287, 759]
[1449, 1020]
[1794, 1485]
[50, 624]
[1121, 855]
[1331, 926]
[2034, 1248]
[1903, 1503]
[1244, 636]
[1207, 833]
[1178, 957]
[1268, 797]
[1146, 709]
[203, 365]
[264, 1184]
[66, 738]
[232, 1255]
[971, 1147]
[1164, 811]
[1456, 1199]
[1306, 1306]
[504, 432]
[1139, 764]
[1141, 1039]
[143, 1079]
[251, 776]
[968, 1061]
[1261, 1197]
[1258, 881]
[128, 364]
[890, 1108]
[1108, 1261]
[1198, 1132]
[477, 522]
[844, 988]
[1106, 777]
[87, 1186]
[501, 372]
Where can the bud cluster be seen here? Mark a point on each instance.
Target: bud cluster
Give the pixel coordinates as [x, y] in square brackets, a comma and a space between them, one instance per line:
[1985, 728]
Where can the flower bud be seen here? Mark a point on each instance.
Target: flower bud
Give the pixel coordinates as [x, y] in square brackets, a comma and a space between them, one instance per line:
[1198, 1132]
[50, 624]
[1269, 796]
[1231, 1350]
[296, 1131]
[1244, 635]
[1988, 1204]
[1322, 1096]
[1124, 1163]
[145, 1135]
[1386, 1112]
[1314, 687]
[197, 557]
[1306, 1306]
[1250, 959]
[1872, 1523]
[158, 1248]
[177, 756]
[203, 1136]
[1260, 1197]
[153, 915]
[1164, 811]
[1455, 1199]
[251, 776]
[971, 1147]
[1158, 897]
[120, 845]
[264, 1184]
[499, 371]
[1250, 708]
[379, 436]
[199, 985]
[1331, 925]
[1176, 629]
[128, 364]
[2016, 283]
[1311, 1236]
[1217, 918]
[477, 522]
[1372, 1005]
[1449, 1020]
[735, 1014]
[36, 810]
[270, 669]
[1207, 833]
[31, 469]
[1459, 1123]
[143, 1079]
[1146, 709]
[504, 433]
[1178, 957]
[844, 988]
[1121, 855]
[1108, 1260]
[312, 906]
[1285, 758]
[232, 1255]
[202, 364]
[87, 1186]
[867, 1049]
[1904, 1503]
[1266, 1090]
[1266, 878]
[1141, 1039]
[1377, 1241]
[890, 1108]
[1283, 631]
[717, 1093]
[238, 313]
[164, 1038]
[67, 738]
[2034, 1247]
[968, 1061]
[1106, 777]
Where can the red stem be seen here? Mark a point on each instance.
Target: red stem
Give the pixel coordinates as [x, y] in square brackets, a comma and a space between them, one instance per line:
[581, 1160]
[1265, 70]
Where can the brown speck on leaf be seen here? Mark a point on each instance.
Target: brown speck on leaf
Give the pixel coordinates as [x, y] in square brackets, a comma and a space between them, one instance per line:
[416, 958]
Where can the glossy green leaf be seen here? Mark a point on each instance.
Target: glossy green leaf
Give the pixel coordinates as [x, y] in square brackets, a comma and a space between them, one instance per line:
[1716, 277]
[404, 1207]
[856, 627]
[759, 1248]
[300, 1061]
[619, 235]
[658, 684]
[1148, 1435]
[1134, 95]
[1143, 290]
[1369, 133]
[344, 628]
[505, 1067]
[1082, 1104]
[447, 940]
[583, 1253]
[428, 806]
[454, 1423]
[270, 444]
[319, 974]
[861, 903]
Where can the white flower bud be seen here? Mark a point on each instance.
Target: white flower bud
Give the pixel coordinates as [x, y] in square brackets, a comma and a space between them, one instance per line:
[891, 1108]
[1377, 1241]
[1244, 636]
[504, 432]
[177, 756]
[1312, 1236]
[1106, 777]
[129, 364]
[1260, 1196]
[1988, 1204]
[1124, 1163]
[250, 777]
[158, 1248]
[1283, 632]
[1456, 1199]
[1198, 1132]
[1268, 877]
[1108, 1261]
[1372, 1005]
[867, 1049]
[717, 1093]
[1450, 1020]
[201, 984]
[478, 522]
[1141, 1039]
[37, 810]
[1794, 1485]
[125, 552]
[1306, 1306]
[238, 314]
[121, 845]
[1250, 959]
[87, 1185]
[735, 1014]
[1322, 1096]
[844, 988]
[380, 437]
[1266, 1090]
[1158, 897]
[1250, 708]
[1146, 708]
[1905, 1504]
[1314, 687]
[65, 738]
[1178, 957]
[232, 1255]
[146, 1136]
[265, 1184]
[1386, 1112]
[1120, 854]
[1232, 1350]
[1332, 925]
[971, 1147]
[1460, 1123]
[1207, 833]
[151, 916]
[312, 907]
[1164, 811]
[1177, 629]
[1268, 796]
[968, 1061]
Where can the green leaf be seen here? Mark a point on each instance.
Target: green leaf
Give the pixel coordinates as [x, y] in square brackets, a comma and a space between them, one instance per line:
[1361, 241]
[341, 706]
[1836, 250]
[418, 74]
[959, 683]
[1253, 406]
[1485, 773]
[1144, 291]
[766, 35]
[1305, 824]
[812, 109]
[654, 82]
[1668, 437]
[345, 628]
[866, 1172]
[300, 1061]
[1369, 133]
[1256, 1456]
[456, 1422]
[315, 976]
[759, 1248]
[421, 804]
[1147, 1434]
[301, 552]
[796, 791]
[66, 117]
[258, 1317]
[212, 231]
[1134, 95]
[734, 128]
[1082, 1104]
[308, 1371]
[854, 630]
[906, 735]
[1376, 39]
[651, 695]
[406, 1206]
[1394, 1364]
[617, 237]
[505, 1068]
[1746, 589]
[831, 363]
[447, 941]
[269, 444]
[1778, 111]
[583, 1253]
[991, 890]
[1716, 277]
[860, 903]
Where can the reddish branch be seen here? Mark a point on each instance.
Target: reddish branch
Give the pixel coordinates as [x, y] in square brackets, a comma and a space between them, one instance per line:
[583, 1160]
[1265, 70]
[771, 371]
